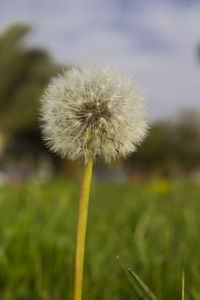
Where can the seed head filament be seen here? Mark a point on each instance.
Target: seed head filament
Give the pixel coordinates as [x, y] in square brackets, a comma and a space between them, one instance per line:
[92, 113]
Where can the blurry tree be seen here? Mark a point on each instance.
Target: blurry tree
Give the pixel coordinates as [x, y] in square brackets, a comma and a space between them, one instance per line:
[171, 147]
[155, 153]
[187, 140]
[23, 72]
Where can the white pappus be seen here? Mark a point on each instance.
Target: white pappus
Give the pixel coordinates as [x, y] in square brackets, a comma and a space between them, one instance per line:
[92, 113]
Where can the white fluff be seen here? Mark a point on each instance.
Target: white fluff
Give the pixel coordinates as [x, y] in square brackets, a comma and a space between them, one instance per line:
[92, 113]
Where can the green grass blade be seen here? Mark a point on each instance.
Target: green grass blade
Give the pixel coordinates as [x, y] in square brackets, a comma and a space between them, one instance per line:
[144, 287]
[137, 291]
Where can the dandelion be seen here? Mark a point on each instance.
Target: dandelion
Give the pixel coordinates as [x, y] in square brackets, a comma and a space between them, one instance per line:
[92, 114]
[86, 115]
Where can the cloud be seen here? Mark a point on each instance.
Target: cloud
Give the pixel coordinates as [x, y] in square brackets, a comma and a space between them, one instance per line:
[154, 42]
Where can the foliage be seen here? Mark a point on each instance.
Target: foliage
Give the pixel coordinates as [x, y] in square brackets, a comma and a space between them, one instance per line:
[154, 230]
[171, 147]
[23, 72]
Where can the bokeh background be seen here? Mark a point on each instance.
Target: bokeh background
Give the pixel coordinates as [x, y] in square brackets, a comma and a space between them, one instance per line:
[146, 208]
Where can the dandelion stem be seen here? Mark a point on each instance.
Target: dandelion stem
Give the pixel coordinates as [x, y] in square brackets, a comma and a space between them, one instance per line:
[81, 232]
[183, 285]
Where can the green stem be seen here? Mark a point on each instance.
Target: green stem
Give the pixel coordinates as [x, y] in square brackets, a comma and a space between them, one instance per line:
[81, 232]
[183, 284]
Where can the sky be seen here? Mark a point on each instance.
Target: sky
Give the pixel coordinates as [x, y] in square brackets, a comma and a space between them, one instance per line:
[154, 42]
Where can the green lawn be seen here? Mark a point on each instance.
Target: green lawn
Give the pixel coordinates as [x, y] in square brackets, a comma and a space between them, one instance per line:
[154, 227]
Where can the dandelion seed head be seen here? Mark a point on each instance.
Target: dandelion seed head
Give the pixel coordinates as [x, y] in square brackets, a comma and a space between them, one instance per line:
[92, 113]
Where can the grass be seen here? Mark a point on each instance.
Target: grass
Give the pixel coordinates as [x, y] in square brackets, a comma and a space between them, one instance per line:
[154, 227]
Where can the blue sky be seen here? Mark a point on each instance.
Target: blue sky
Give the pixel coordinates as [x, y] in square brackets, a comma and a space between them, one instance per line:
[153, 41]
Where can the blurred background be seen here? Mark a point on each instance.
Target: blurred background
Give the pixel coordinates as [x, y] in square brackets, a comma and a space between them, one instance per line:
[156, 43]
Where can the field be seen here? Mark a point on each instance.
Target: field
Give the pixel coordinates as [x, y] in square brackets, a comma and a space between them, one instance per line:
[154, 227]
